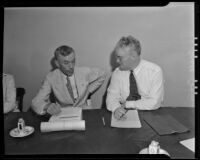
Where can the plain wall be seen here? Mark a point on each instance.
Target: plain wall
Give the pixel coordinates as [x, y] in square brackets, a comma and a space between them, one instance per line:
[166, 34]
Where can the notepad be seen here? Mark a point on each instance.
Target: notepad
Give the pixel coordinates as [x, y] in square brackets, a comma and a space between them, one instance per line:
[189, 143]
[132, 120]
[165, 124]
[68, 114]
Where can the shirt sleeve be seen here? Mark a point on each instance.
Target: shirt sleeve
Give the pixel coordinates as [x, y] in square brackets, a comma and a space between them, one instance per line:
[113, 93]
[10, 97]
[95, 77]
[40, 101]
[155, 97]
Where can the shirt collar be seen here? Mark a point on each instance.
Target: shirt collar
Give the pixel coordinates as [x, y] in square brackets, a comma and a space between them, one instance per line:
[65, 76]
[137, 69]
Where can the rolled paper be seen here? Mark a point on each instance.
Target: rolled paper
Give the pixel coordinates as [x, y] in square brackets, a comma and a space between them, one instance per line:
[62, 125]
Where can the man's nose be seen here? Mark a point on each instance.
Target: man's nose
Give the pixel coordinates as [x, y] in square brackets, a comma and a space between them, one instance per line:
[70, 65]
[118, 61]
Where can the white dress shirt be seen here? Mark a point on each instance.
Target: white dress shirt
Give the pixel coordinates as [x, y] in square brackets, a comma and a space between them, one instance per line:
[150, 83]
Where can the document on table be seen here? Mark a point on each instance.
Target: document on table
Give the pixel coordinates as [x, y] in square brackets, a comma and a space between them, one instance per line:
[132, 120]
[62, 126]
[68, 114]
[189, 143]
[70, 118]
[165, 124]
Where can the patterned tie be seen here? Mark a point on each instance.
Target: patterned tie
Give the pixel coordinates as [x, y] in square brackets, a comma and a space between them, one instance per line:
[134, 95]
[69, 87]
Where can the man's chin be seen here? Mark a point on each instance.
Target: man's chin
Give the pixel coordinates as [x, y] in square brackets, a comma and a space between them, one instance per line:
[123, 69]
[68, 73]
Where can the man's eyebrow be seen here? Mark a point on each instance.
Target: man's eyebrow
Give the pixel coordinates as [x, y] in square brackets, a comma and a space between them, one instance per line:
[66, 61]
[69, 61]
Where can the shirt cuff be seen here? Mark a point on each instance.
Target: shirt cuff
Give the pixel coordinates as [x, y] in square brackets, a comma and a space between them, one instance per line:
[130, 104]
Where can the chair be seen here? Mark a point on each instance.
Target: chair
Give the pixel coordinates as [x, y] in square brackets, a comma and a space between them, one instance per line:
[19, 98]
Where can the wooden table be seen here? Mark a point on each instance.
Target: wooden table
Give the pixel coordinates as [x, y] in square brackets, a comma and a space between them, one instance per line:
[97, 138]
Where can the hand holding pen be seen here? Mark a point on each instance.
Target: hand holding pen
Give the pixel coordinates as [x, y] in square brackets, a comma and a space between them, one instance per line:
[120, 112]
[123, 105]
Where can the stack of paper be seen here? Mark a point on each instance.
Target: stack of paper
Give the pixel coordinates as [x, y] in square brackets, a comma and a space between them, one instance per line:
[68, 114]
[70, 118]
[62, 125]
[132, 120]
[189, 143]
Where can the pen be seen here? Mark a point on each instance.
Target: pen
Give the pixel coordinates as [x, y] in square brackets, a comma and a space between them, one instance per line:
[124, 113]
[68, 117]
[103, 121]
[127, 109]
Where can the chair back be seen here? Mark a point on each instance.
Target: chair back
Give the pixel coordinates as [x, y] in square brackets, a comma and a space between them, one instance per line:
[19, 98]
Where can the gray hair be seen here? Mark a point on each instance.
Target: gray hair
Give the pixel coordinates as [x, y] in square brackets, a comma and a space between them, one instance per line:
[129, 41]
[63, 50]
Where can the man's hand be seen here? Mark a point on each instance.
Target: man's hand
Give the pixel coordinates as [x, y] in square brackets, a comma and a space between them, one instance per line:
[53, 109]
[120, 113]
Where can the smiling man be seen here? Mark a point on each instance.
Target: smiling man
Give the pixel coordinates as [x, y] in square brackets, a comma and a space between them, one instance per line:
[136, 83]
[71, 85]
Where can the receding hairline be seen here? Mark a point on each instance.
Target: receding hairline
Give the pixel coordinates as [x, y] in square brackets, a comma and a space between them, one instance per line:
[117, 48]
[63, 51]
[130, 42]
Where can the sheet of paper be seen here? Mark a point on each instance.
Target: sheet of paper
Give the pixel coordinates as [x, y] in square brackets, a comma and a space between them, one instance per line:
[132, 120]
[189, 143]
[62, 125]
[68, 114]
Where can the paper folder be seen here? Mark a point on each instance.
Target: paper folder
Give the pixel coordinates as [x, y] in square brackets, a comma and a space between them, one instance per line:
[165, 124]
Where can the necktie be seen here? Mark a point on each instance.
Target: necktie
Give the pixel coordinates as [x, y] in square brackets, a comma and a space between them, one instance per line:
[134, 95]
[69, 87]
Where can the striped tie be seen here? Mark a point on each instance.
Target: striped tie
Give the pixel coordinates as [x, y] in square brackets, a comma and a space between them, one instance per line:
[69, 87]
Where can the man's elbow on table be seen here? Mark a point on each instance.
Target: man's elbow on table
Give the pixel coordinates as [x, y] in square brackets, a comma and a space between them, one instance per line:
[38, 108]
[111, 105]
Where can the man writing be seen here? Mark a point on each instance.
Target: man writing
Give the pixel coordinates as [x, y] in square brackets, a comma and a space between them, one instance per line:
[136, 83]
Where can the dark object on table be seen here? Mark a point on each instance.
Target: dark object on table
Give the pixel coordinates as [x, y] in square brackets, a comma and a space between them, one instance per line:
[165, 124]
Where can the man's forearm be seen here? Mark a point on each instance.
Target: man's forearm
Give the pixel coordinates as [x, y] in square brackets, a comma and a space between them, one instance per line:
[40, 107]
[144, 104]
[93, 86]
